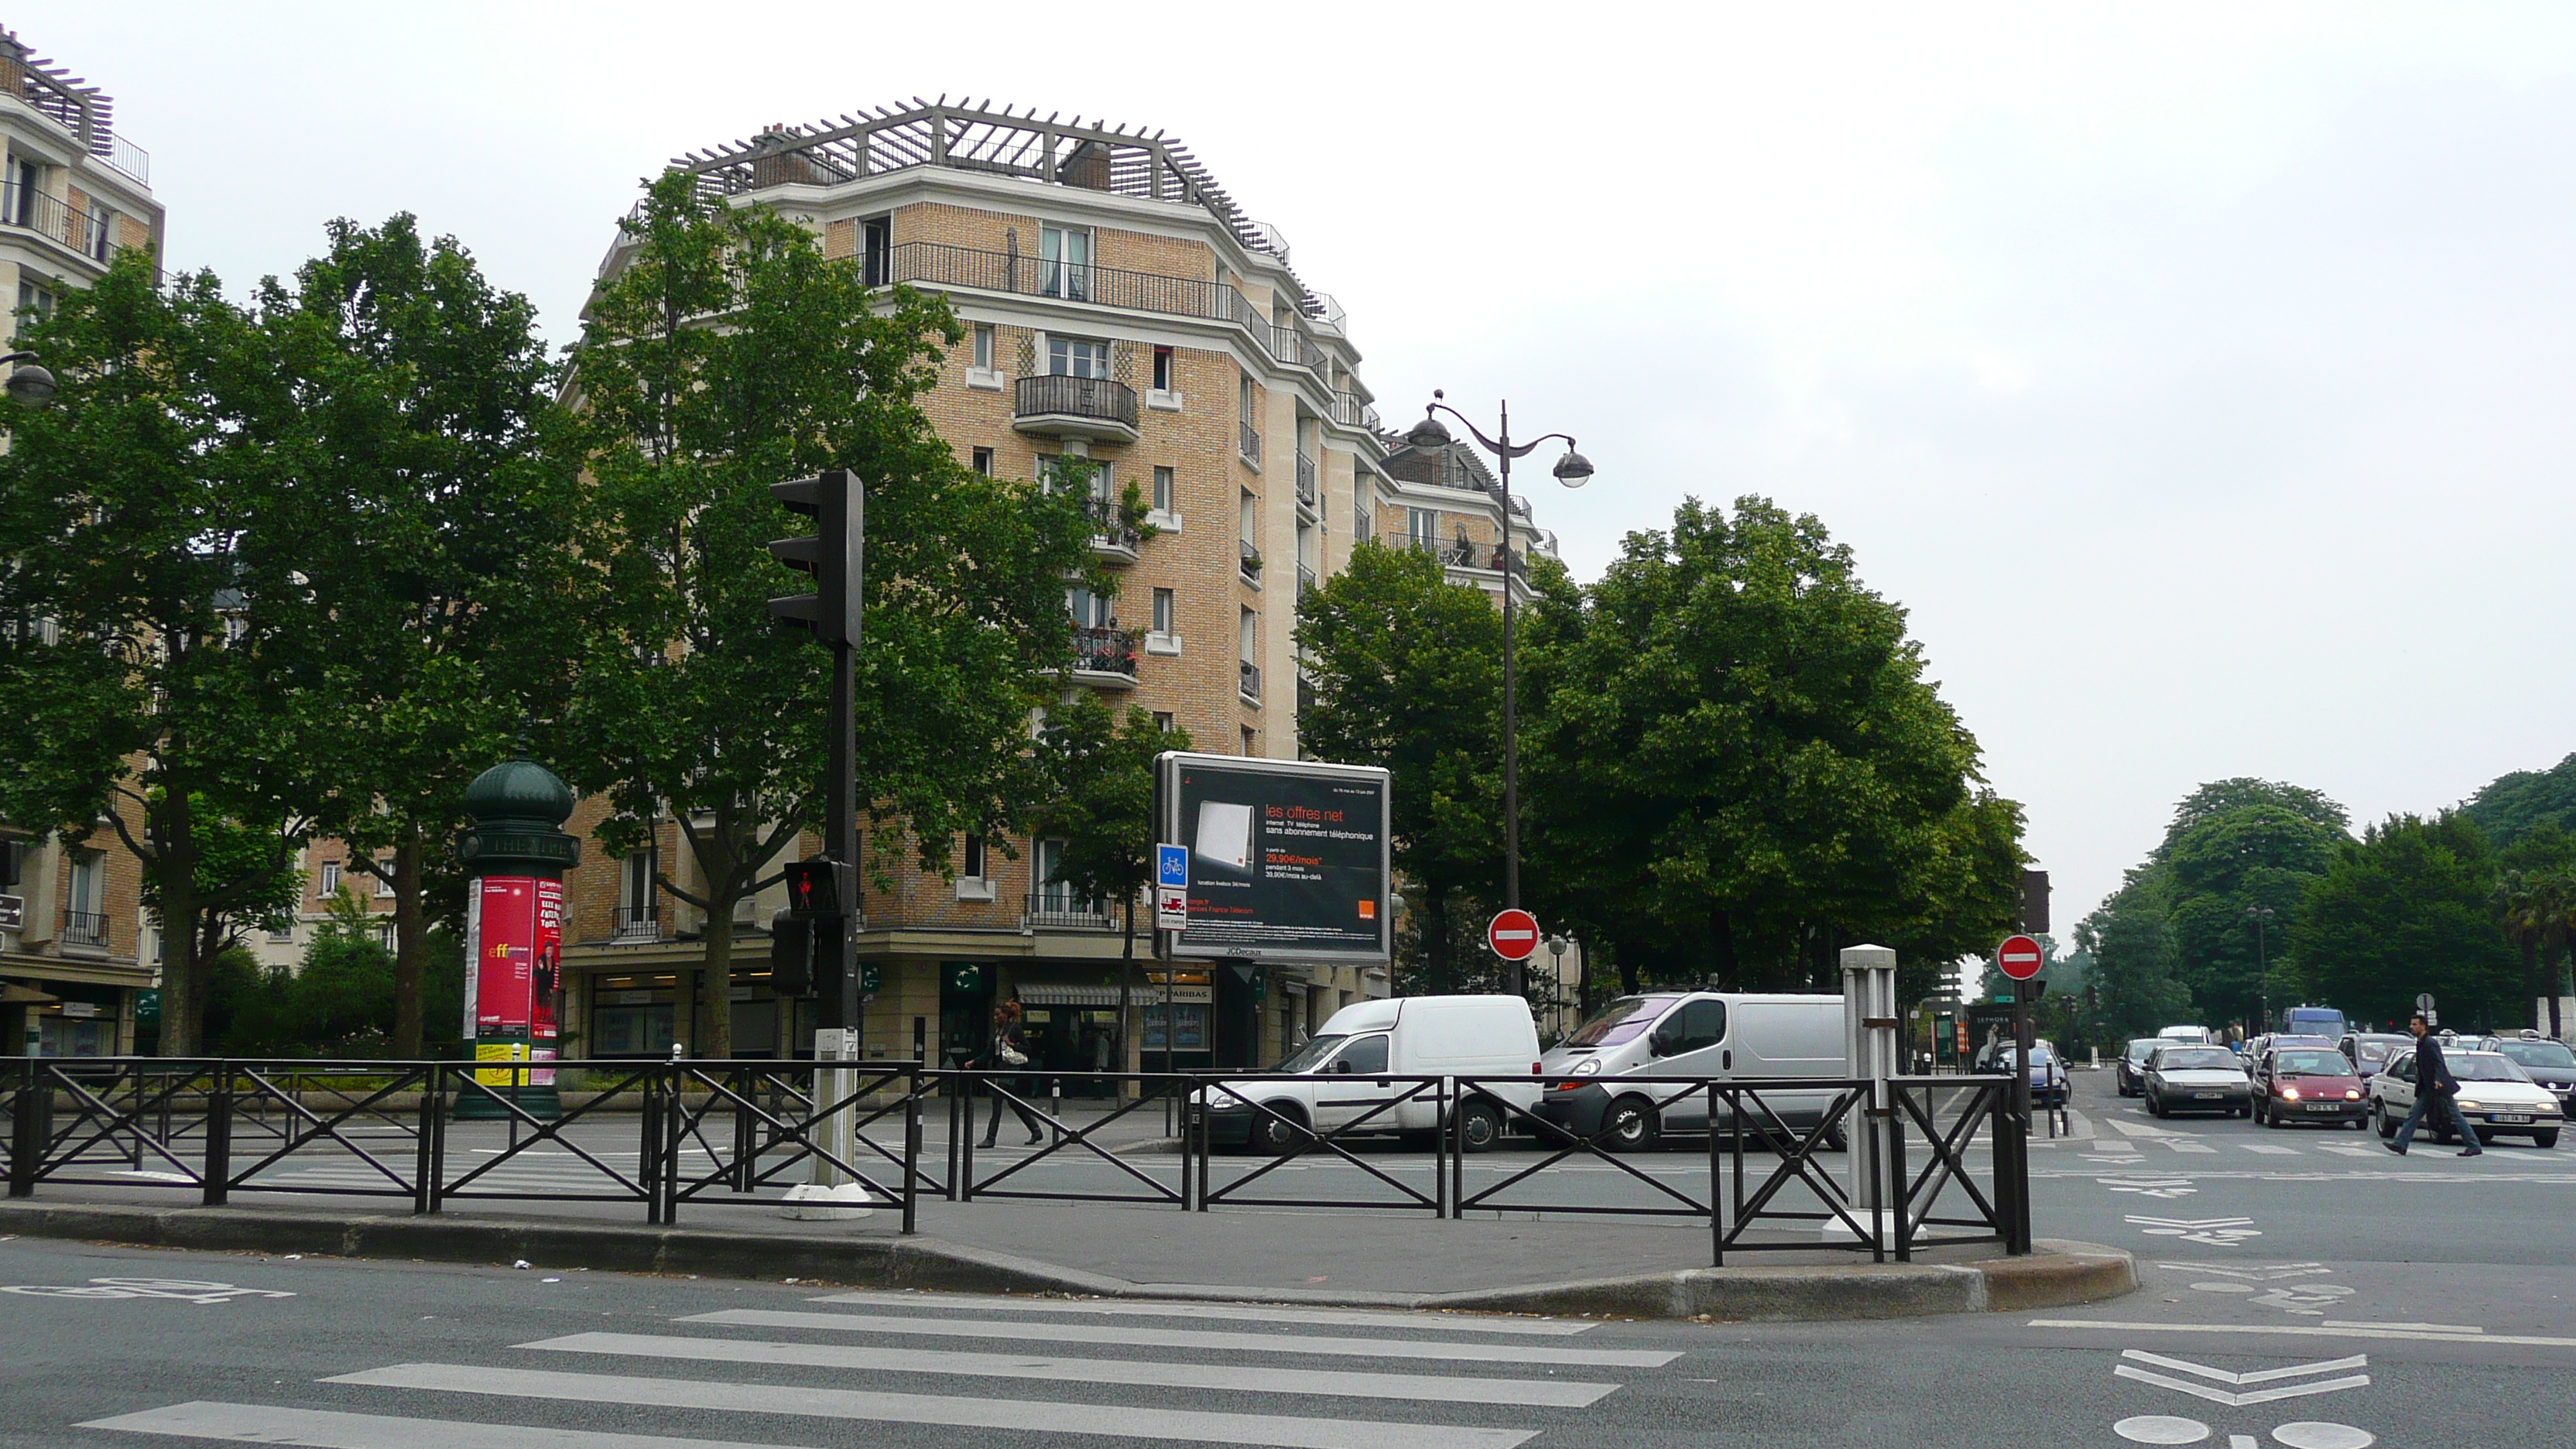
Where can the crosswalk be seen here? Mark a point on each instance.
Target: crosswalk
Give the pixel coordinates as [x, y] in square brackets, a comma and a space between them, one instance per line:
[1183, 1373]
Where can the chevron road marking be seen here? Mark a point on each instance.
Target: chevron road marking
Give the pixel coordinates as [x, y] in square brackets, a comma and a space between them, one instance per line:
[2250, 1396]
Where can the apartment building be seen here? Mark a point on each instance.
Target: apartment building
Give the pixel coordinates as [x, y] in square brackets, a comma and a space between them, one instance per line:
[1120, 308]
[74, 955]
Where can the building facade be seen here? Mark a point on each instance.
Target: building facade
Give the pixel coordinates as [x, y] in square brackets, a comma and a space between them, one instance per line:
[75, 954]
[1121, 310]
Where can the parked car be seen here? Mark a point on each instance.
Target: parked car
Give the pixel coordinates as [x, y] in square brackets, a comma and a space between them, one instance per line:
[2548, 1063]
[2129, 1068]
[2182, 1077]
[1333, 1081]
[1610, 1065]
[2496, 1097]
[2369, 1051]
[2308, 1084]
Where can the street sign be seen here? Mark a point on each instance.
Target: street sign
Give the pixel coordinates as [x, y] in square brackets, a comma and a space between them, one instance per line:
[1513, 935]
[1172, 865]
[2424, 1002]
[1171, 908]
[2019, 957]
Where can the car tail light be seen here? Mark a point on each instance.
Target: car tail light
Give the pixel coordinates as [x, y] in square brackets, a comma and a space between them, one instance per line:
[1533, 1069]
[1569, 1086]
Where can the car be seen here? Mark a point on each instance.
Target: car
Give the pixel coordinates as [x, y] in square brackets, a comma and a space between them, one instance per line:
[2322, 1021]
[2183, 1077]
[2368, 1051]
[2312, 1084]
[1603, 1081]
[2497, 1097]
[2548, 1063]
[2194, 1035]
[1333, 1082]
[2129, 1068]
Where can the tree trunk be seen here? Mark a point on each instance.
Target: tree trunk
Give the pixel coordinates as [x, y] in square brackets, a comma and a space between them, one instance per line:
[2557, 1028]
[1721, 942]
[1127, 989]
[1626, 955]
[716, 979]
[1435, 939]
[411, 944]
[174, 869]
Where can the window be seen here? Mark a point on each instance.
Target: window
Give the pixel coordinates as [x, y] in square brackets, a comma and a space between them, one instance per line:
[1077, 357]
[1053, 895]
[984, 345]
[1164, 489]
[24, 181]
[984, 461]
[1163, 720]
[1162, 369]
[1362, 1055]
[1247, 515]
[975, 856]
[85, 903]
[1055, 473]
[1163, 611]
[1089, 610]
[876, 249]
[1243, 397]
[384, 874]
[1250, 630]
[1065, 252]
[330, 878]
[282, 935]
[635, 918]
[1247, 741]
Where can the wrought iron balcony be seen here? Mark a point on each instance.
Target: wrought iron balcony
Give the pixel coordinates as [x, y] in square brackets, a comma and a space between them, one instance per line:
[1350, 412]
[1248, 442]
[635, 923]
[1306, 475]
[1305, 578]
[1075, 407]
[28, 209]
[1112, 536]
[84, 928]
[1104, 654]
[1251, 681]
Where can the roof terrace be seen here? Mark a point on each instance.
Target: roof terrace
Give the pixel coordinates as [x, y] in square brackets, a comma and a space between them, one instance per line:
[71, 103]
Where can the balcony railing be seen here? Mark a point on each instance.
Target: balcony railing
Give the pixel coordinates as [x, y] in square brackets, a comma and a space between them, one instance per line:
[1463, 554]
[1109, 525]
[1102, 398]
[1250, 559]
[85, 114]
[635, 923]
[1306, 472]
[84, 928]
[1053, 907]
[1104, 649]
[1350, 412]
[1251, 681]
[29, 209]
[1305, 578]
[1248, 442]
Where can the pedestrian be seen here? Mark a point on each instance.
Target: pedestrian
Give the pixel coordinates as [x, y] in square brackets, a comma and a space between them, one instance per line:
[2434, 1083]
[1008, 1051]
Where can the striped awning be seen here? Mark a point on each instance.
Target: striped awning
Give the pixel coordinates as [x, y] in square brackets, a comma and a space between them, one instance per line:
[1051, 994]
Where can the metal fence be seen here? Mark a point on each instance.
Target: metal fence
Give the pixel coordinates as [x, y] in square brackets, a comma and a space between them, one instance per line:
[1883, 1167]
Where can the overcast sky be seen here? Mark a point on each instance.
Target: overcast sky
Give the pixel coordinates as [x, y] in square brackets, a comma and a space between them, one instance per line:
[2198, 376]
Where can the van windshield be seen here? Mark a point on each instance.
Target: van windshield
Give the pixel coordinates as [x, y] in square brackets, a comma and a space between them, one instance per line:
[1621, 1020]
[2540, 1053]
[1311, 1053]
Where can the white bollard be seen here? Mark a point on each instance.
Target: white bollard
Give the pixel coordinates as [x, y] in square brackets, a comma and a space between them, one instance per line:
[832, 1196]
[1870, 1050]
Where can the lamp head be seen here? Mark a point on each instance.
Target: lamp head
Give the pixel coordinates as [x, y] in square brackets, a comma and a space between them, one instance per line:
[32, 385]
[1430, 432]
[1573, 470]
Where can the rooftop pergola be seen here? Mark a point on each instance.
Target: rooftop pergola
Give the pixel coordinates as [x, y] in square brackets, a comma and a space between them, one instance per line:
[71, 102]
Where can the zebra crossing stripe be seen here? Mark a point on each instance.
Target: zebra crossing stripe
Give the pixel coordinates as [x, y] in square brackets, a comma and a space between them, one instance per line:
[941, 1410]
[1429, 1388]
[329, 1429]
[1511, 1353]
[1246, 1312]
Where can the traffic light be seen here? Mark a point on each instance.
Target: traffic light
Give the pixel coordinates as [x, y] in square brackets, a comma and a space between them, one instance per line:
[819, 887]
[832, 553]
[792, 941]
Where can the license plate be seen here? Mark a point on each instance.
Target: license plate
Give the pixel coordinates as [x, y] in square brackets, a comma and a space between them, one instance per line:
[2325, 1106]
[2207, 1096]
[2509, 1117]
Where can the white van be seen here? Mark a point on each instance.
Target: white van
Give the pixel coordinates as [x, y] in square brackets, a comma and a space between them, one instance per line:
[1335, 1084]
[1614, 1059]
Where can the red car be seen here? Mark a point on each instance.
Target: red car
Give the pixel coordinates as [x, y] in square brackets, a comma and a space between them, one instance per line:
[2308, 1084]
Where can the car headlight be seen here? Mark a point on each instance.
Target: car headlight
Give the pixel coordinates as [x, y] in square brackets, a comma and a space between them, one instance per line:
[2352, 1094]
[1589, 1066]
[2289, 1094]
[2468, 1105]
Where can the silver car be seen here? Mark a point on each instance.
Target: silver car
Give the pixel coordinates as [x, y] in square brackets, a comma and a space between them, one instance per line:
[2187, 1078]
[2497, 1097]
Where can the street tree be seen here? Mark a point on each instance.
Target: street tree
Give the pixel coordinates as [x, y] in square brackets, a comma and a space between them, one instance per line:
[163, 651]
[2409, 908]
[2509, 806]
[1096, 775]
[446, 561]
[1406, 673]
[723, 353]
[2241, 858]
[2135, 989]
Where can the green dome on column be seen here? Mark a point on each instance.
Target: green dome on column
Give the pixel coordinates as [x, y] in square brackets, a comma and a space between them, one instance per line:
[518, 808]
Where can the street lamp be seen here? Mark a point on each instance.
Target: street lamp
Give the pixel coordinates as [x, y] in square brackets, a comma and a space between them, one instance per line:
[29, 383]
[2261, 916]
[1573, 470]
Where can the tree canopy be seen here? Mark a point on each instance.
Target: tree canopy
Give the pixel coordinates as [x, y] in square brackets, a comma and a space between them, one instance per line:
[2510, 806]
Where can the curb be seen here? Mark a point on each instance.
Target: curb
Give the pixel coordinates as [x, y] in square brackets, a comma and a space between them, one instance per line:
[2061, 1274]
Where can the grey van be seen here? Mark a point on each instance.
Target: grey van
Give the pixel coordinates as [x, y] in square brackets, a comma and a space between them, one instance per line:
[1612, 1064]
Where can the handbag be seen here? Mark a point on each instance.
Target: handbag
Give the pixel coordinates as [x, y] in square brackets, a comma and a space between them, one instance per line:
[1011, 1055]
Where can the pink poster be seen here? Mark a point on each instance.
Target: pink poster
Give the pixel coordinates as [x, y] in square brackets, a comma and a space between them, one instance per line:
[514, 928]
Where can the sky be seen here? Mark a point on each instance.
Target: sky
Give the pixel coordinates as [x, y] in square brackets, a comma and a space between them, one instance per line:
[2196, 375]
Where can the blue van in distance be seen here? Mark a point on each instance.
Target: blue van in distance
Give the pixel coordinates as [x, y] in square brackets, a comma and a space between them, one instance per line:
[2322, 1021]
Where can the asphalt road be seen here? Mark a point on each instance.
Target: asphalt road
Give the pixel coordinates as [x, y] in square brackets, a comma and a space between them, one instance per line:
[2305, 1298]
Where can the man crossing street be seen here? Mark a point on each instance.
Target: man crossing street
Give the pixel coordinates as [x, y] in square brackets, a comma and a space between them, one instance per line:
[2433, 1083]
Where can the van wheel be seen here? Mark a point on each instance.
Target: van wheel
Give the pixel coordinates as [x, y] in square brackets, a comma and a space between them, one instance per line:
[1479, 1127]
[1632, 1125]
[1274, 1135]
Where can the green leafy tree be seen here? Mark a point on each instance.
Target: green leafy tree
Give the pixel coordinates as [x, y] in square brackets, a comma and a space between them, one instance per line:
[1746, 769]
[2134, 985]
[2409, 908]
[448, 569]
[163, 647]
[2510, 806]
[1406, 673]
[725, 353]
[2244, 857]
[2536, 899]
[243, 879]
[1098, 801]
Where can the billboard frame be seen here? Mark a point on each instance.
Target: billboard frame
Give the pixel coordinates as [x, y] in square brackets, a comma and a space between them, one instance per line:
[1172, 945]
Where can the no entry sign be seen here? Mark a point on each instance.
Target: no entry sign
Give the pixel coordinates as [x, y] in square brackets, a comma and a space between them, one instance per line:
[1513, 935]
[2019, 957]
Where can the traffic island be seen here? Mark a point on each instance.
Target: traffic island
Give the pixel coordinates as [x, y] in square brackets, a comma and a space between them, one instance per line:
[2059, 1275]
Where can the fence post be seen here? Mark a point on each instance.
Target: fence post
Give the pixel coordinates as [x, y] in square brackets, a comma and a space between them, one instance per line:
[966, 1143]
[32, 1131]
[216, 1177]
[1194, 1139]
[675, 1118]
[951, 1094]
[424, 1168]
[1716, 1211]
[911, 1143]
[1451, 1099]
[746, 1145]
[648, 1150]
[1898, 1181]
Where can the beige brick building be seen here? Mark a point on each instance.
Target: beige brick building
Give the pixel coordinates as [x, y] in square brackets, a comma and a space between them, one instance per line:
[1121, 308]
[74, 953]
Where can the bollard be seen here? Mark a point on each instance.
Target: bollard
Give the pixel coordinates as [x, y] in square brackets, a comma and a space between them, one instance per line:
[1870, 1054]
[33, 1129]
[217, 1177]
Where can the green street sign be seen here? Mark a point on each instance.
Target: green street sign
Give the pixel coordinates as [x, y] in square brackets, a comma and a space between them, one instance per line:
[966, 980]
[869, 976]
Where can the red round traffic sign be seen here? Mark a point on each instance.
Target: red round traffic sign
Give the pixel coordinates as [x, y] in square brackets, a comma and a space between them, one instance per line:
[1513, 935]
[2019, 957]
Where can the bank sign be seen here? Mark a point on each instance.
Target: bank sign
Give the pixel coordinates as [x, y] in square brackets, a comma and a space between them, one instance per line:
[1288, 860]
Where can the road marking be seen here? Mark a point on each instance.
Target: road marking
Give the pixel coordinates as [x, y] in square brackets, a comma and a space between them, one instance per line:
[326, 1429]
[1512, 1353]
[2136, 1129]
[2210, 1232]
[1251, 1313]
[185, 1290]
[2348, 1149]
[2268, 1149]
[2312, 1434]
[2250, 1396]
[947, 1411]
[2417, 1327]
[2306, 1330]
[2185, 1144]
[2160, 1429]
[2156, 1187]
[1548, 1393]
[2254, 1272]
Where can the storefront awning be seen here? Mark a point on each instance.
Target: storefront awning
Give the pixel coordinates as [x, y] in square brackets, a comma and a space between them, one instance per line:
[1049, 994]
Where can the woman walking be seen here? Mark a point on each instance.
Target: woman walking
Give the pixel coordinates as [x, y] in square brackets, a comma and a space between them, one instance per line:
[1006, 1051]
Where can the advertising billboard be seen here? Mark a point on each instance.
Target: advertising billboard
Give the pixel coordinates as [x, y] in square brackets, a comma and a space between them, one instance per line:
[1288, 860]
[514, 942]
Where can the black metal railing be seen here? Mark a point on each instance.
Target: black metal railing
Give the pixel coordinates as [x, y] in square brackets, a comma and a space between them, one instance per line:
[84, 928]
[938, 264]
[1248, 442]
[1056, 395]
[635, 923]
[1251, 681]
[1305, 479]
[1109, 525]
[1104, 649]
[28, 209]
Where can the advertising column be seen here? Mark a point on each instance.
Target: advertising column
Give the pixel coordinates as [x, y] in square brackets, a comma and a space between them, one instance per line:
[515, 857]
